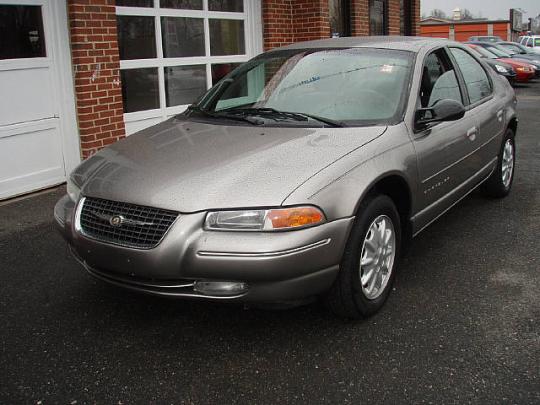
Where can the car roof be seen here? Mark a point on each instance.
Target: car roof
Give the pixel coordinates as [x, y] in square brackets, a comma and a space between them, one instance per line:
[411, 44]
[484, 44]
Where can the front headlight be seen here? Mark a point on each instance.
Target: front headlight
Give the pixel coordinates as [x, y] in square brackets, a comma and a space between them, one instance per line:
[73, 190]
[501, 69]
[264, 219]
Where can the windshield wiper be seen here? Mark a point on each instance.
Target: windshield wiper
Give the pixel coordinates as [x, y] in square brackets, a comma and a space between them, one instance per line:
[328, 121]
[221, 115]
[273, 113]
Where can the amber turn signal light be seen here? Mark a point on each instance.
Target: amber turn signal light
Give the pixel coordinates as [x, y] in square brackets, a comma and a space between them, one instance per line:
[294, 217]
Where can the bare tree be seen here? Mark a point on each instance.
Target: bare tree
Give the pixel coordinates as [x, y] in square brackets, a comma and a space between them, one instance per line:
[535, 24]
[466, 14]
[438, 13]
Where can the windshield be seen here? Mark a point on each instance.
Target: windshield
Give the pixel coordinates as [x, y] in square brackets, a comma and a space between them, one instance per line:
[523, 48]
[512, 48]
[508, 49]
[499, 52]
[353, 86]
[484, 53]
[490, 39]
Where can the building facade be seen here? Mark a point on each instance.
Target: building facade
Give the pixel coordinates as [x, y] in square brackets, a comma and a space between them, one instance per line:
[78, 75]
[462, 30]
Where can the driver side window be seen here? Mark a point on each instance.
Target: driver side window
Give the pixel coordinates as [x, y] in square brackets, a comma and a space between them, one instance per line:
[439, 80]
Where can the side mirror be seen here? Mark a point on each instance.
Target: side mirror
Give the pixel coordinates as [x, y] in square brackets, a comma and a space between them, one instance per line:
[442, 110]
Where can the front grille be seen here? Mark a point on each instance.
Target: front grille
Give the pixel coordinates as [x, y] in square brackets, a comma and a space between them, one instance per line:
[124, 224]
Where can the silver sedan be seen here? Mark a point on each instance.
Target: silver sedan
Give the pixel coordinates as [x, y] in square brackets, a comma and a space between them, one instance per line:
[301, 175]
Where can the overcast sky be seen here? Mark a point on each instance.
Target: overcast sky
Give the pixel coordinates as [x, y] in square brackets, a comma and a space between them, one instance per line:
[493, 9]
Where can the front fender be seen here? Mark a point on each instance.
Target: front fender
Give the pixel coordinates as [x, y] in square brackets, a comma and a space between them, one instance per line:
[339, 189]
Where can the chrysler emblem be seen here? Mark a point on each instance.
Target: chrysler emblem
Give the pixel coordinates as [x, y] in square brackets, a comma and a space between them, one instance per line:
[116, 220]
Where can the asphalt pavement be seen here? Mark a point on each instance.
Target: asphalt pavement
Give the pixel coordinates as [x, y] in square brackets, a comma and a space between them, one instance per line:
[461, 326]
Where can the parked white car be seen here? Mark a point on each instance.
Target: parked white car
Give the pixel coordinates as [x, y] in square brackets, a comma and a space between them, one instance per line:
[531, 41]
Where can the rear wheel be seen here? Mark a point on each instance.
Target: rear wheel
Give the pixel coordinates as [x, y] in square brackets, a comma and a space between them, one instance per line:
[368, 266]
[500, 182]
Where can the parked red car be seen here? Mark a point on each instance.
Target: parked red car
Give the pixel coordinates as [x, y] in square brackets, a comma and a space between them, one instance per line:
[524, 71]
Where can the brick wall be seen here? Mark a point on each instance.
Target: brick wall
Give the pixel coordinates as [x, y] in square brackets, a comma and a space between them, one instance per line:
[288, 21]
[394, 18]
[277, 23]
[359, 17]
[415, 18]
[96, 64]
[311, 19]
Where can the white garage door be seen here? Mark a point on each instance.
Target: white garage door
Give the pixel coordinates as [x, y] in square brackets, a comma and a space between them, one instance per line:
[36, 102]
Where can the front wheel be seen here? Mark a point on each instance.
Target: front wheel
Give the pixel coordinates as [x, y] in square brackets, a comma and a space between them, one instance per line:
[500, 182]
[368, 266]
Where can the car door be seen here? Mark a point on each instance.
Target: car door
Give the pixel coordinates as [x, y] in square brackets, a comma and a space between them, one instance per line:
[488, 108]
[440, 147]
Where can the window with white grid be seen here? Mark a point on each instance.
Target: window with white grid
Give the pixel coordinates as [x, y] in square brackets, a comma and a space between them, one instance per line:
[172, 51]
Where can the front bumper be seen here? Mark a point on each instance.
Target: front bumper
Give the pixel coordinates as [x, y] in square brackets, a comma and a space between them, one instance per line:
[277, 266]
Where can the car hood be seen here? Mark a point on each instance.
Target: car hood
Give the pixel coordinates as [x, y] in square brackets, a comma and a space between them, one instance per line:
[514, 62]
[530, 61]
[193, 166]
[493, 62]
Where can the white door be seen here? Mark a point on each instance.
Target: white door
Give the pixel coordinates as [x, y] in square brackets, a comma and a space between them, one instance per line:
[32, 93]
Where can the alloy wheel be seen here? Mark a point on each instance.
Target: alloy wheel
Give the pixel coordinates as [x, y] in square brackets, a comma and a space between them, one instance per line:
[377, 258]
[507, 163]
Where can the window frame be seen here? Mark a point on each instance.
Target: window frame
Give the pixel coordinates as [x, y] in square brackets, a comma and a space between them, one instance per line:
[253, 46]
[386, 11]
[405, 18]
[461, 79]
[40, 61]
[345, 10]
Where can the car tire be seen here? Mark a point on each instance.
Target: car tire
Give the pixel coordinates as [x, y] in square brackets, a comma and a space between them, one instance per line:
[498, 185]
[348, 297]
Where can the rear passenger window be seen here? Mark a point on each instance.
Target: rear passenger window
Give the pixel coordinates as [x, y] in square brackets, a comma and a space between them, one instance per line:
[476, 78]
[438, 80]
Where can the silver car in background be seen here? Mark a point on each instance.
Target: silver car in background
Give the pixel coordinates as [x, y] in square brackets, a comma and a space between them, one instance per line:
[302, 174]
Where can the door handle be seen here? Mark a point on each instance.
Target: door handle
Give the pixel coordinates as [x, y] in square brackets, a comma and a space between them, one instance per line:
[471, 133]
[500, 115]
